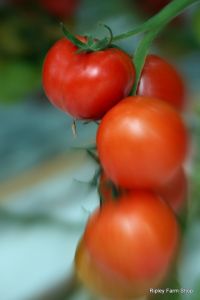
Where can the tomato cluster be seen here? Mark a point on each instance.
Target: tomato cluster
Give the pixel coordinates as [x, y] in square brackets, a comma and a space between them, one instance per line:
[131, 240]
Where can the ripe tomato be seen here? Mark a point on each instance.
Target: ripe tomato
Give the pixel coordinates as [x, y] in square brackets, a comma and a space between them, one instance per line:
[161, 80]
[60, 8]
[86, 85]
[100, 282]
[132, 241]
[141, 142]
[175, 191]
[97, 280]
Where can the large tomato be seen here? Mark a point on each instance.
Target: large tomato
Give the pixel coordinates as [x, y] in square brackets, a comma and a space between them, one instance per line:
[86, 85]
[161, 80]
[132, 242]
[141, 142]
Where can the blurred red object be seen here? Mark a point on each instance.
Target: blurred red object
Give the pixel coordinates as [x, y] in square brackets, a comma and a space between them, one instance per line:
[151, 7]
[175, 191]
[58, 8]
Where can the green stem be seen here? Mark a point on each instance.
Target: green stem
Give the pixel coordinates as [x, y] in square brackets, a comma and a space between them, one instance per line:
[168, 13]
[141, 53]
[71, 37]
[157, 23]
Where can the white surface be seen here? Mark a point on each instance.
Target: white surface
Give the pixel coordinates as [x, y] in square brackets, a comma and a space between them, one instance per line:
[35, 256]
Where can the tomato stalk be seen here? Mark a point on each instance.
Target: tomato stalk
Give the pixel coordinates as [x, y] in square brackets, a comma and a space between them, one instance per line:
[163, 17]
[141, 53]
[157, 22]
[91, 44]
[152, 28]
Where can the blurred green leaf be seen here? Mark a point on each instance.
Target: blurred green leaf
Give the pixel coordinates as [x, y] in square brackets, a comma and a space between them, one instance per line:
[196, 25]
[17, 80]
[171, 282]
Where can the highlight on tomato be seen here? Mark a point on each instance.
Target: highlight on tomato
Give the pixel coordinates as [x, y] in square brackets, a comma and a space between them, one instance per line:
[141, 142]
[128, 246]
[160, 79]
[86, 85]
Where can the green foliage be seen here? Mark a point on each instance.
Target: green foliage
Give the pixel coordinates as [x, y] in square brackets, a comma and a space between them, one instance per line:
[17, 80]
[196, 25]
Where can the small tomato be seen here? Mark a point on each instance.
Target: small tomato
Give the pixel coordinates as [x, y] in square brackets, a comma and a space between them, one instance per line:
[159, 79]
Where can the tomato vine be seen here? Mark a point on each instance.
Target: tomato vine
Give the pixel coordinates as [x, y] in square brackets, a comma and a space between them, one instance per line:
[142, 143]
[151, 28]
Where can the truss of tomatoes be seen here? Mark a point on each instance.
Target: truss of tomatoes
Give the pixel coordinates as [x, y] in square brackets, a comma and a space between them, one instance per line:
[131, 240]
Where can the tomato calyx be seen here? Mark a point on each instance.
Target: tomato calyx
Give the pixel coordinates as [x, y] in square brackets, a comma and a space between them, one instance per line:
[93, 155]
[115, 193]
[91, 44]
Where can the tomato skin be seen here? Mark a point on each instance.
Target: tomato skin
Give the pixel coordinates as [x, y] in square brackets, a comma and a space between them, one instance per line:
[86, 85]
[175, 191]
[96, 280]
[161, 80]
[134, 239]
[141, 143]
[100, 282]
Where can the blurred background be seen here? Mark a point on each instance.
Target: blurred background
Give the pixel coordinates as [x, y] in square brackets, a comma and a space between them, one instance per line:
[45, 198]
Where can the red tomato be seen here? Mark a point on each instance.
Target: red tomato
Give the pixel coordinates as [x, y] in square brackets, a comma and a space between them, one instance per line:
[103, 283]
[133, 241]
[60, 8]
[141, 142]
[175, 191]
[97, 280]
[86, 85]
[161, 80]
